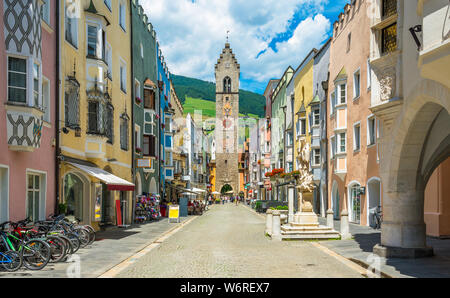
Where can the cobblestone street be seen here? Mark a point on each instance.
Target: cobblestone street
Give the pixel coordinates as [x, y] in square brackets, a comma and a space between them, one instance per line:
[228, 241]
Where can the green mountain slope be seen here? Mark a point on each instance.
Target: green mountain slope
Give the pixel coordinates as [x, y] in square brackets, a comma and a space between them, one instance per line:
[249, 102]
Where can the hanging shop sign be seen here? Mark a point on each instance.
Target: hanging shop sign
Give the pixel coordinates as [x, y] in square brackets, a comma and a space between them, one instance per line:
[144, 163]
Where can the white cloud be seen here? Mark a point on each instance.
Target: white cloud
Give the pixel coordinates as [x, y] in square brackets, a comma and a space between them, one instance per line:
[192, 34]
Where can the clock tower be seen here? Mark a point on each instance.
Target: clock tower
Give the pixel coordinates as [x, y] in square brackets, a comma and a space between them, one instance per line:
[227, 72]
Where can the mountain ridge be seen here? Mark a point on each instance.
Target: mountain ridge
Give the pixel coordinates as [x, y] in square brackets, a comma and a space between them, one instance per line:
[249, 102]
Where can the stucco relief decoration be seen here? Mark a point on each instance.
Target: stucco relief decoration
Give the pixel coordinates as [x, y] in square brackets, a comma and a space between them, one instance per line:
[23, 32]
[387, 85]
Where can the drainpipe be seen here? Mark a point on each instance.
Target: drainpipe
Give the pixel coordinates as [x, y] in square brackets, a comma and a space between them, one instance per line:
[57, 106]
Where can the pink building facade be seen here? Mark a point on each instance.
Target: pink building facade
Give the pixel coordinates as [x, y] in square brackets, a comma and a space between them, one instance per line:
[353, 177]
[27, 110]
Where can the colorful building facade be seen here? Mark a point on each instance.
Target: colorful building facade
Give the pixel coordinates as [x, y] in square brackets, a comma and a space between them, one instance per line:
[353, 130]
[28, 64]
[95, 156]
[145, 103]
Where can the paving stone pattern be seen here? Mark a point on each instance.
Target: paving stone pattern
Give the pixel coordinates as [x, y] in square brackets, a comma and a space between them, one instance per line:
[229, 242]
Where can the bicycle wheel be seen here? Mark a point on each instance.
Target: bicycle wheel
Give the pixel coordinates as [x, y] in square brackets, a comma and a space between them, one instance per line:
[11, 260]
[91, 233]
[68, 245]
[83, 236]
[58, 248]
[36, 254]
[74, 241]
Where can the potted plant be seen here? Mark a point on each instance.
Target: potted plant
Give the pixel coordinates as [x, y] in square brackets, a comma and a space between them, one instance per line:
[62, 208]
[138, 150]
[138, 100]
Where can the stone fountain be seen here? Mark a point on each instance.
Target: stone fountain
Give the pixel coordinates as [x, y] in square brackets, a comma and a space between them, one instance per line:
[305, 224]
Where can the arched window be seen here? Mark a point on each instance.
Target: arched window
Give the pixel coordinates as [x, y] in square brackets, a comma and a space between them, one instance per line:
[227, 85]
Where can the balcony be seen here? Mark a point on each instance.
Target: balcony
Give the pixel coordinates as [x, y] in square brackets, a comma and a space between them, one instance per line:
[24, 127]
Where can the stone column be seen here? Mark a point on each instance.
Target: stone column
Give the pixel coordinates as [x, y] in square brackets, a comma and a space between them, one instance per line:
[269, 221]
[403, 231]
[291, 198]
[345, 229]
[276, 225]
[330, 218]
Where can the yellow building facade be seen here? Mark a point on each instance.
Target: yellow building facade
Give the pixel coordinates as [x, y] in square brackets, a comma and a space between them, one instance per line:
[303, 95]
[95, 112]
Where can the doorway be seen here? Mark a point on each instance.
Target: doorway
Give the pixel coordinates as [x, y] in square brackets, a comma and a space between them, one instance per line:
[373, 198]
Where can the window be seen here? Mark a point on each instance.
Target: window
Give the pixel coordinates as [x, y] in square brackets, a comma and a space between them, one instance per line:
[289, 167]
[389, 8]
[227, 85]
[289, 140]
[316, 157]
[356, 137]
[108, 59]
[349, 41]
[333, 147]
[71, 104]
[137, 136]
[108, 4]
[149, 143]
[389, 39]
[302, 126]
[332, 102]
[149, 99]
[97, 118]
[36, 85]
[124, 119]
[357, 84]
[34, 185]
[92, 40]
[369, 74]
[17, 80]
[342, 93]
[123, 76]
[316, 116]
[137, 89]
[46, 99]
[342, 146]
[109, 125]
[371, 130]
[71, 32]
[45, 11]
[142, 51]
[122, 16]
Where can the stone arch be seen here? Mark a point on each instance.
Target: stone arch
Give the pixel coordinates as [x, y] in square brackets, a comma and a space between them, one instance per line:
[404, 182]
[353, 217]
[85, 195]
[427, 100]
[373, 197]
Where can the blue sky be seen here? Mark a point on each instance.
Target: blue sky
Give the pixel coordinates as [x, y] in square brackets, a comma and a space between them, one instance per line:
[266, 35]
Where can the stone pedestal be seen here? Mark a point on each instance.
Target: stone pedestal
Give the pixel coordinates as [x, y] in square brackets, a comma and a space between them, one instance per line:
[306, 223]
[330, 218]
[268, 221]
[276, 225]
[345, 228]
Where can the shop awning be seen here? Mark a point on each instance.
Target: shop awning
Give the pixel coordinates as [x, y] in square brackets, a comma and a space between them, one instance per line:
[198, 190]
[113, 182]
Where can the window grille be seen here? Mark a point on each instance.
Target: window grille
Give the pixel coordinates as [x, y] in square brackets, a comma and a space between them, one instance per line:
[389, 8]
[389, 39]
